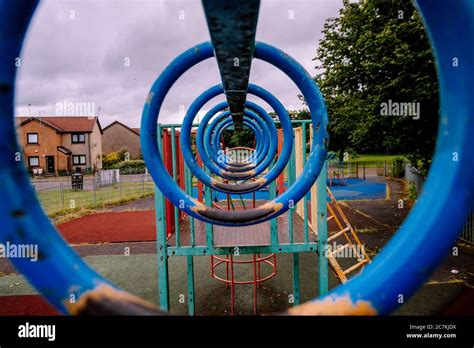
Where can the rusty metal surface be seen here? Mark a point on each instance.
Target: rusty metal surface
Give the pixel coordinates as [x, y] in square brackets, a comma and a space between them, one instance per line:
[243, 236]
[232, 29]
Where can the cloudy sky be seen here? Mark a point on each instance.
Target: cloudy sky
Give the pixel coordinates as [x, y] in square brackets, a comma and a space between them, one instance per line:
[108, 53]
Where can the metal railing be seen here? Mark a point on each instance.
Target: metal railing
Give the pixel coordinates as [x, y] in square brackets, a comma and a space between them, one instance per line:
[60, 196]
[468, 230]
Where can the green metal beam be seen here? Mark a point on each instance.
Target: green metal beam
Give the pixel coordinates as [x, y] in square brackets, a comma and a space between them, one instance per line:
[265, 249]
[161, 240]
[322, 228]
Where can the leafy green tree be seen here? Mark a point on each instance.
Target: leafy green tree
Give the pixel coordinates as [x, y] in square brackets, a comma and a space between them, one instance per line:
[374, 52]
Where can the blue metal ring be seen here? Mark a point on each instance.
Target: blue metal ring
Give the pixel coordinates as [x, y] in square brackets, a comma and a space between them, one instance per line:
[263, 159]
[271, 209]
[212, 146]
[287, 134]
[59, 274]
[210, 156]
[400, 268]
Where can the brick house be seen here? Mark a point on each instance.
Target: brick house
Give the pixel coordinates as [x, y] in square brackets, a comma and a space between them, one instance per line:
[53, 145]
[117, 136]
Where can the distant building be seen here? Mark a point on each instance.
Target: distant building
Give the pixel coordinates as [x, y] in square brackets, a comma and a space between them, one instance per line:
[52, 145]
[117, 136]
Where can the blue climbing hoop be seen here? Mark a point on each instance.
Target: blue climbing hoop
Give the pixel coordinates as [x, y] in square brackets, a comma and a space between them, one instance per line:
[437, 218]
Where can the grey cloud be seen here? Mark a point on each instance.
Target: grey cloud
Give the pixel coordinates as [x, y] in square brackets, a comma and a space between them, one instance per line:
[82, 59]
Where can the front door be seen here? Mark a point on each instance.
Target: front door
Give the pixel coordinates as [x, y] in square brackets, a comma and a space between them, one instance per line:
[50, 164]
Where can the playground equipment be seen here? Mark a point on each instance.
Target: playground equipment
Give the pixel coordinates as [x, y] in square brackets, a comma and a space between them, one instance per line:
[405, 262]
[336, 172]
[254, 245]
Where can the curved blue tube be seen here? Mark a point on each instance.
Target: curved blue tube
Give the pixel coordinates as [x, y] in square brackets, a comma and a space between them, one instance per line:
[259, 92]
[260, 152]
[315, 159]
[436, 221]
[213, 152]
[59, 273]
[400, 268]
[213, 133]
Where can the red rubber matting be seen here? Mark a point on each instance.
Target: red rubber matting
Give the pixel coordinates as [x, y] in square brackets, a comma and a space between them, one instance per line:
[110, 227]
[26, 305]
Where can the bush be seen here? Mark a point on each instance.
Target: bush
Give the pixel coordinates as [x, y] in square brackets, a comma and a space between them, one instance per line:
[131, 167]
[63, 172]
[412, 193]
[109, 160]
[398, 165]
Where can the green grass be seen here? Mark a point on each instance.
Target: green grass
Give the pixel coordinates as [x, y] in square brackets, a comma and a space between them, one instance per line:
[372, 161]
[375, 158]
[56, 202]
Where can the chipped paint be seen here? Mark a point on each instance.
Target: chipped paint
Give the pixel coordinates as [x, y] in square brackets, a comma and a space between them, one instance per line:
[101, 292]
[149, 97]
[334, 306]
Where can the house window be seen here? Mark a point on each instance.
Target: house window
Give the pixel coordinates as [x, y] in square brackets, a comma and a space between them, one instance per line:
[78, 138]
[32, 138]
[33, 161]
[79, 159]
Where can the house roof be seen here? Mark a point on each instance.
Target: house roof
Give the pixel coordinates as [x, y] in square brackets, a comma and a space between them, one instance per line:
[133, 130]
[66, 124]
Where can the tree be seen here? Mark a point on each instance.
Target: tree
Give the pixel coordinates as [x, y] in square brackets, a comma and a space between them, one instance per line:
[377, 52]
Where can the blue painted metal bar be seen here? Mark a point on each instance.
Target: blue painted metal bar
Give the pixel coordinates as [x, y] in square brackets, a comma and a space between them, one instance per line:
[232, 28]
[437, 218]
[409, 258]
[60, 274]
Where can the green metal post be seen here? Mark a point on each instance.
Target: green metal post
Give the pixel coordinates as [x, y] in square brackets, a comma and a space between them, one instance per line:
[209, 227]
[173, 160]
[296, 258]
[190, 270]
[291, 179]
[305, 199]
[273, 222]
[322, 228]
[189, 190]
[296, 279]
[160, 211]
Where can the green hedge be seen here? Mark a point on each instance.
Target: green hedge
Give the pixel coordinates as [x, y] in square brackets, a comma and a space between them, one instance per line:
[131, 167]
